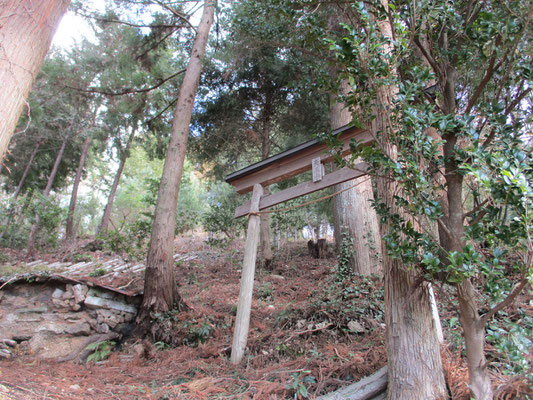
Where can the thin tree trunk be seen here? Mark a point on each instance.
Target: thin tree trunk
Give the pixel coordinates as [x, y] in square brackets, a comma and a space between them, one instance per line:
[266, 246]
[26, 31]
[46, 192]
[111, 198]
[26, 170]
[413, 351]
[452, 240]
[73, 198]
[160, 291]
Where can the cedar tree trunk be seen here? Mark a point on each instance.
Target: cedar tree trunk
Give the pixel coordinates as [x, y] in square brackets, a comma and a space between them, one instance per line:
[160, 291]
[266, 246]
[73, 198]
[353, 212]
[413, 351]
[111, 198]
[26, 31]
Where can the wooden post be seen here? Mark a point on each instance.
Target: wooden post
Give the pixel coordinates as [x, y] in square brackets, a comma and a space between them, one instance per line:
[242, 322]
[435, 312]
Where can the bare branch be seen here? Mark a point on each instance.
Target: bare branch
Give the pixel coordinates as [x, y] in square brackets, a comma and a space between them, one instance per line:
[129, 90]
[506, 302]
[476, 209]
[176, 13]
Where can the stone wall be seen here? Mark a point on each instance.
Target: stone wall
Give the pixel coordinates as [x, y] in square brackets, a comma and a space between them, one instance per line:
[53, 319]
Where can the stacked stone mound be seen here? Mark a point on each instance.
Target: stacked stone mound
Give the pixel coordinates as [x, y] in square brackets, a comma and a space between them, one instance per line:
[53, 319]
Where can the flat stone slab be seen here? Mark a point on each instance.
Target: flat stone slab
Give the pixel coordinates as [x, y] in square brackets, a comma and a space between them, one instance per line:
[108, 304]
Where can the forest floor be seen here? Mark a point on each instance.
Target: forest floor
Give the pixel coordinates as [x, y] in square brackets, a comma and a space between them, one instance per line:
[309, 335]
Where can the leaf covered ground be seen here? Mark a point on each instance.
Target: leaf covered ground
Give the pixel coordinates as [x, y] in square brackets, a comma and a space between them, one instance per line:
[309, 335]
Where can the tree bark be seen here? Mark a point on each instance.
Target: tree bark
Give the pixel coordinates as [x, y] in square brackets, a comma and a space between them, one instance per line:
[111, 198]
[266, 246]
[452, 239]
[46, 192]
[160, 291]
[413, 351]
[352, 210]
[26, 170]
[73, 198]
[26, 31]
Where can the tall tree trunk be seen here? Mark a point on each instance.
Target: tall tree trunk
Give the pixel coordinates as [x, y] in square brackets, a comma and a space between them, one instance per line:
[160, 291]
[26, 170]
[111, 198]
[26, 31]
[452, 240]
[73, 198]
[413, 351]
[46, 192]
[266, 246]
[352, 209]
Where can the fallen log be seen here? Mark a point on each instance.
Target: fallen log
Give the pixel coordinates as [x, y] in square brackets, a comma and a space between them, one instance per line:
[372, 387]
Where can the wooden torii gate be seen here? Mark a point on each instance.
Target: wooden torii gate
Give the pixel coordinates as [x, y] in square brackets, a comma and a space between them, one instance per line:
[311, 155]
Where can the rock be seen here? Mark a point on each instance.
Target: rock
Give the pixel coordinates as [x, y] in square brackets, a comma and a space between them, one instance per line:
[74, 387]
[24, 347]
[4, 353]
[68, 293]
[73, 316]
[138, 349]
[107, 304]
[21, 337]
[58, 293]
[59, 303]
[102, 328]
[102, 294]
[278, 278]
[46, 344]
[9, 342]
[79, 329]
[109, 317]
[356, 327]
[34, 310]
[52, 327]
[80, 292]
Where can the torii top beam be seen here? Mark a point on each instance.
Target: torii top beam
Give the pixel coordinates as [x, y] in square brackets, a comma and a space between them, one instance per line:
[295, 161]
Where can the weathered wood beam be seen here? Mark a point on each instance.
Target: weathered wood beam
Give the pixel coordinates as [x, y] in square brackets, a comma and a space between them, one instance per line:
[342, 175]
[242, 320]
[295, 164]
[366, 389]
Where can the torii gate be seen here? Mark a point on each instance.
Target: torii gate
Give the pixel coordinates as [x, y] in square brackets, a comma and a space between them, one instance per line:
[310, 155]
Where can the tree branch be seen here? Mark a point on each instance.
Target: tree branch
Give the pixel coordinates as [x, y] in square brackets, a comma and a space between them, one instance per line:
[117, 21]
[508, 109]
[475, 209]
[488, 76]
[129, 90]
[506, 302]
[176, 14]
[427, 56]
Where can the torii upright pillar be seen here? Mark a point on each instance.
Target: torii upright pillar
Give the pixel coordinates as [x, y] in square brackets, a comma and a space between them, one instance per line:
[242, 321]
